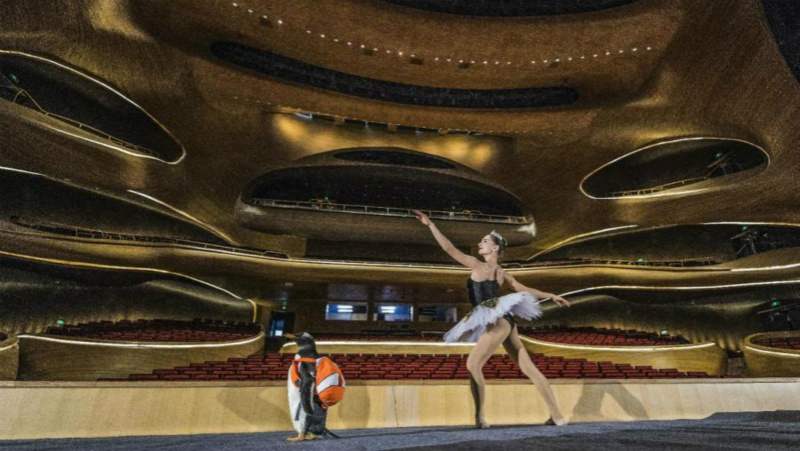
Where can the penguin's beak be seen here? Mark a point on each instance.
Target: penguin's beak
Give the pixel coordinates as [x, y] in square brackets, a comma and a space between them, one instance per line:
[290, 336]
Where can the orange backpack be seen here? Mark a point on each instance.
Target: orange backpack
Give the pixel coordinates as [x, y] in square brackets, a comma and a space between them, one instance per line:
[330, 385]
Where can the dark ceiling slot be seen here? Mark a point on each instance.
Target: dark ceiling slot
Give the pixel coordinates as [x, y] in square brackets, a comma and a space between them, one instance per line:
[291, 70]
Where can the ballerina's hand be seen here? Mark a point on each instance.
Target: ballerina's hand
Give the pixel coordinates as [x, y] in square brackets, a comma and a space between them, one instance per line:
[422, 217]
[561, 301]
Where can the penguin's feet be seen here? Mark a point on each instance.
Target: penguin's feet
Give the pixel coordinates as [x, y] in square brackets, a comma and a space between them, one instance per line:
[301, 437]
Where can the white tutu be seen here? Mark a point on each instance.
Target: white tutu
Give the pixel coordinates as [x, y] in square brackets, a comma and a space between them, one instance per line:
[520, 304]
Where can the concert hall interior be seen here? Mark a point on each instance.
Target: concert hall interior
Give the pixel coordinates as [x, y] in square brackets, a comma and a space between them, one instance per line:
[184, 182]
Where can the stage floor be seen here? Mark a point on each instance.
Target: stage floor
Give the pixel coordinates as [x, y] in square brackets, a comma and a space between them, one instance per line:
[725, 431]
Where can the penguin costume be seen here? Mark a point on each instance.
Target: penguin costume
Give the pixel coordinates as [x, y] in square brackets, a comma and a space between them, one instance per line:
[308, 411]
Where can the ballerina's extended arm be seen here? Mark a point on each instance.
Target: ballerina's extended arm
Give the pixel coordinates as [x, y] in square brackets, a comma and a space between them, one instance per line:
[513, 283]
[466, 260]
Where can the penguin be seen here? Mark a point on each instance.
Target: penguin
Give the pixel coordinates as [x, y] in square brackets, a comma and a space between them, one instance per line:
[308, 415]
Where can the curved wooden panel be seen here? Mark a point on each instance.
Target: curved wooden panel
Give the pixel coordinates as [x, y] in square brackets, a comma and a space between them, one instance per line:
[109, 409]
[9, 358]
[35, 296]
[764, 361]
[51, 358]
[706, 357]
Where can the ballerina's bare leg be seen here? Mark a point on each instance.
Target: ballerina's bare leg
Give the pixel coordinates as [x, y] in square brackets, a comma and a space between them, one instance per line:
[518, 353]
[484, 348]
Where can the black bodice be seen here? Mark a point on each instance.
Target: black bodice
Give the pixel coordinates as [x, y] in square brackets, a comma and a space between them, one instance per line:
[481, 291]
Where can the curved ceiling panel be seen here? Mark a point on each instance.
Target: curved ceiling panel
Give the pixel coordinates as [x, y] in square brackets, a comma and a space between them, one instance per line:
[511, 8]
[672, 165]
[288, 69]
[395, 158]
[84, 106]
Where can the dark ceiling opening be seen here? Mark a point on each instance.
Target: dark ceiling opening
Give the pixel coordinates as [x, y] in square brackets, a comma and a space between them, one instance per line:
[291, 70]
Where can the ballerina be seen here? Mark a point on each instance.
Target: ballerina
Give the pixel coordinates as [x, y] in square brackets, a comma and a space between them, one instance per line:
[491, 321]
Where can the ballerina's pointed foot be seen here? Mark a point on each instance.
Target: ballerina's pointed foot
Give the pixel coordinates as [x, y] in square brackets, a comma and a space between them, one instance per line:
[562, 422]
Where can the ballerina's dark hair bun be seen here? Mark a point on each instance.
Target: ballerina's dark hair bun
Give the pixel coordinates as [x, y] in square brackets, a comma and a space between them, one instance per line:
[499, 240]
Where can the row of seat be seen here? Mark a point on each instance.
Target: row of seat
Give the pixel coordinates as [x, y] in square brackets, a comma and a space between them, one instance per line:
[274, 366]
[197, 330]
[602, 336]
[556, 334]
[378, 337]
[782, 343]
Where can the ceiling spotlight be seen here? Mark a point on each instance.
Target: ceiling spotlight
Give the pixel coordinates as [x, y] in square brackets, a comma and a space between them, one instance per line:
[634, 49]
[280, 22]
[322, 36]
[649, 48]
[400, 53]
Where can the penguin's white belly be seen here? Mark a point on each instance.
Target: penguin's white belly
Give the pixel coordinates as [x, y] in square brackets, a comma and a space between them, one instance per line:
[295, 405]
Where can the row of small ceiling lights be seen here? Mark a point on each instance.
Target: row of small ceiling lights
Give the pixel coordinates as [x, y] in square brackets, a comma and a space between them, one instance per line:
[452, 60]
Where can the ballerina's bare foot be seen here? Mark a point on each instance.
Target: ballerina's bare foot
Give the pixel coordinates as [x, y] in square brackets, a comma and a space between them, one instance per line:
[561, 422]
[480, 423]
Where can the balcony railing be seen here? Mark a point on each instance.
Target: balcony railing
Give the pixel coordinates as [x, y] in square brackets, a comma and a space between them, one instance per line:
[464, 215]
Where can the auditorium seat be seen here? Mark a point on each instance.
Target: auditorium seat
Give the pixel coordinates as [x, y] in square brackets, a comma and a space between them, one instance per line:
[779, 342]
[159, 330]
[274, 366]
[380, 336]
[601, 336]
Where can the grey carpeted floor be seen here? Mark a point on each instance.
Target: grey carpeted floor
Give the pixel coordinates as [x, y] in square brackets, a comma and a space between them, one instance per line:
[734, 431]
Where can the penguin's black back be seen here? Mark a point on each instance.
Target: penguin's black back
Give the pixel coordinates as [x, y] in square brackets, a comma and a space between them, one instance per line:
[306, 346]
